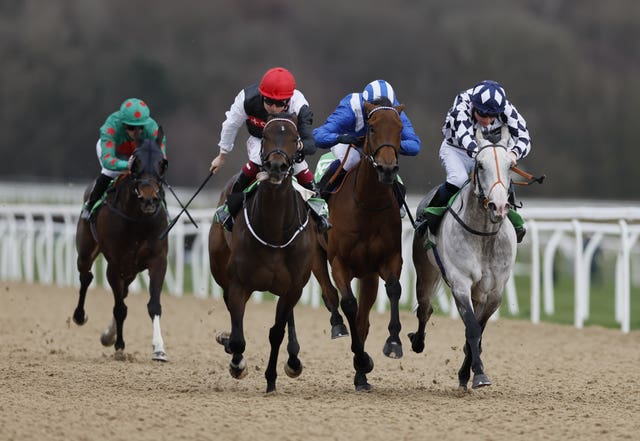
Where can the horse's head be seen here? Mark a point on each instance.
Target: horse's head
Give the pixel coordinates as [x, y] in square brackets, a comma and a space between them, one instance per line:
[384, 133]
[147, 172]
[491, 176]
[280, 143]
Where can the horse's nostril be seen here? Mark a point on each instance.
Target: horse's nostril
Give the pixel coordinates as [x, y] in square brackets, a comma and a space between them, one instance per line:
[283, 168]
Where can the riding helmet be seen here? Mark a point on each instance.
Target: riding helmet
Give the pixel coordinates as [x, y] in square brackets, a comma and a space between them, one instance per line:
[278, 84]
[134, 112]
[488, 97]
[378, 89]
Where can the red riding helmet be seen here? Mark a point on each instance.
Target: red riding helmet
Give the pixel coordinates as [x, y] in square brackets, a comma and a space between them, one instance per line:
[278, 84]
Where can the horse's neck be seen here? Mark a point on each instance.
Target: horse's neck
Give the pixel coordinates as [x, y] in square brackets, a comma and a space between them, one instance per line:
[273, 209]
[470, 209]
[368, 187]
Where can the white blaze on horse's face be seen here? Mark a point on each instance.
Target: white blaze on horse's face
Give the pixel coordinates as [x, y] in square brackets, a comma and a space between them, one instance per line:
[492, 181]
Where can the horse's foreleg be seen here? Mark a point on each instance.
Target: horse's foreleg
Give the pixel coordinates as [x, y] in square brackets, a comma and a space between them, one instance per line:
[157, 272]
[235, 344]
[473, 335]
[79, 315]
[293, 366]
[284, 311]
[362, 362]
[119, 289]
[393, 345]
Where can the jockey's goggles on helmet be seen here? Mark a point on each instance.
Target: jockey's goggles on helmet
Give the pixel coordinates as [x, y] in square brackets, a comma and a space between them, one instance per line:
[271, 102]
[482, 114]
[128, 127]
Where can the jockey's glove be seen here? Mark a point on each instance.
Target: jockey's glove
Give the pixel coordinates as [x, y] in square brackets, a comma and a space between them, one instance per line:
[347, 139]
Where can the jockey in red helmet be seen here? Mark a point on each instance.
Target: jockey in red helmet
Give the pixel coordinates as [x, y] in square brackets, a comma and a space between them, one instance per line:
[275, 93]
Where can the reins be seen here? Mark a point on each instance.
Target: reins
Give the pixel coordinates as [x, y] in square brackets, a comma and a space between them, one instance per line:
[298, 230]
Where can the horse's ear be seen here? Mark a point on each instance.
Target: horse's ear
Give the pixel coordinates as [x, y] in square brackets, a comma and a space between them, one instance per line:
[138, 135]
[160, 136]
[368, 107]
[164, 164]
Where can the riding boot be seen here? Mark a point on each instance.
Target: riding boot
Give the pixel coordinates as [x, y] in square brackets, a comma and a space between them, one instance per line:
[432, 215]
[514, 217]
[323, 186]
[99, 187]
[318, 208]
[226, 212]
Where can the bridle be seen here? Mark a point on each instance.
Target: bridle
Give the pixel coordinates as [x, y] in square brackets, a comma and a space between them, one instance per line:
[371, 156]
[264, 158]
[484, 198]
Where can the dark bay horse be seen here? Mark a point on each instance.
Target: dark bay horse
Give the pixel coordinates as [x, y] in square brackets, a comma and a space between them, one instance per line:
[126, 231]
[270, 249]
[365, 241]
[475, 251]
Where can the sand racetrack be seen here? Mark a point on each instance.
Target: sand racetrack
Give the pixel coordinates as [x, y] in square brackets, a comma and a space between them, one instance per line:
[57, 382]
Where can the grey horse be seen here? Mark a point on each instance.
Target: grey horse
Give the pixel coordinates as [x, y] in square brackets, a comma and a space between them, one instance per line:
[474, 253]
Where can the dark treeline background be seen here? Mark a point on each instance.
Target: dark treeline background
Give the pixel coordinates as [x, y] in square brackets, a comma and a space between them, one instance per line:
[571, 68]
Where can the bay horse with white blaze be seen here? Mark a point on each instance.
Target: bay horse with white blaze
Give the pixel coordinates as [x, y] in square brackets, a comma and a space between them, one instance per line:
[270, 249]
[475, 252]
[126, 230]
[365, 241]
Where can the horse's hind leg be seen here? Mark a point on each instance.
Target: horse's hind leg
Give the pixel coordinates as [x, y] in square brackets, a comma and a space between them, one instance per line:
[329, 294]
[293, 366]
[87, 252]
[427, 279]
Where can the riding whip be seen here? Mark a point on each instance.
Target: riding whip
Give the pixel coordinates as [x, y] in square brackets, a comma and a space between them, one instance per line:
[173, 222]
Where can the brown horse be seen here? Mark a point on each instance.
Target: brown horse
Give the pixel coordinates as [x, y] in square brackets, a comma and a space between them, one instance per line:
[126, 230]
[270, 249]
[365, 241]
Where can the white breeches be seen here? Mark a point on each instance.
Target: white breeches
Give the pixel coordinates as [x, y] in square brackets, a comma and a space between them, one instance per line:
[457, 164]
[340, 151]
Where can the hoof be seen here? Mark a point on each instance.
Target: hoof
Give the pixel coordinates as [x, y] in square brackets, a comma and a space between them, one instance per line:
[338, 331]
[223, 339]
[271, 388]
[361, 383]
[108, 338]
[159, 356]
[480, 380]
[80, 321]
[119, 355]
[291, 372]
[240, 371]
[417, 342]
[462, 390]
[392, 349]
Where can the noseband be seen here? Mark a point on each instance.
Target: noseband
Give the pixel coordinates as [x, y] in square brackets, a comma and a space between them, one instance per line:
[278, 151]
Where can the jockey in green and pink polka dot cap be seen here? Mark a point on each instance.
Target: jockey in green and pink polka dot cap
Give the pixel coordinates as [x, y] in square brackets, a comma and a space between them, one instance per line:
[117, 143]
